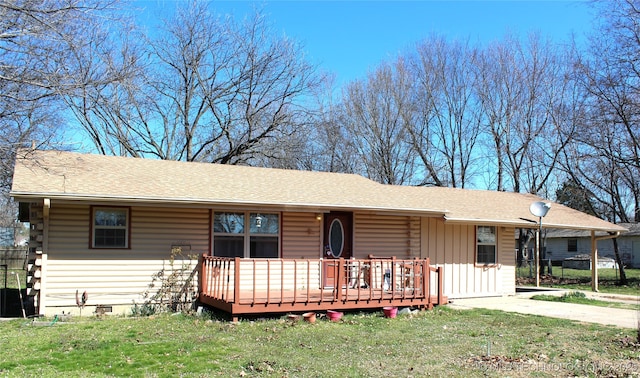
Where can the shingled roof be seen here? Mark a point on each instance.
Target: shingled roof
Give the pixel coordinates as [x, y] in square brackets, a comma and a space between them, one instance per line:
[84, 177]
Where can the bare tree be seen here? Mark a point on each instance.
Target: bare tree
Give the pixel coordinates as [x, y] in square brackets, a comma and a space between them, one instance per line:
[522, 89]
[591, 162]
[38, 43]
[203, 88]
[446, 127]
[606, 157]
[375, 116]
[330, 145]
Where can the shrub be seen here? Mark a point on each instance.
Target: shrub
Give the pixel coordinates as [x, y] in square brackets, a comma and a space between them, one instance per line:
[175, 287]
[573, 295]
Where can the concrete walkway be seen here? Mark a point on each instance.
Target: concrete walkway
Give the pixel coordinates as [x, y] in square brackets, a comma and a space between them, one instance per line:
[522, 303]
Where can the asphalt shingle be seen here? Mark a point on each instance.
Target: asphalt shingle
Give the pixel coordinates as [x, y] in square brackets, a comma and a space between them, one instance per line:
[72, 176]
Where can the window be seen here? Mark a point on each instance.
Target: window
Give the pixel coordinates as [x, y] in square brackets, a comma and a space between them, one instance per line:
[254, 235]
[336, 238]
[486, 245]
[110, 227]
[572, 245]
[228, 229]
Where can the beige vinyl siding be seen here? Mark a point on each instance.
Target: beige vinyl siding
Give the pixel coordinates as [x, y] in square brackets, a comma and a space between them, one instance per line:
[301, 236]
[453, 247]
[154, 231]
[386, 236]
[68, 232]
[117, 277]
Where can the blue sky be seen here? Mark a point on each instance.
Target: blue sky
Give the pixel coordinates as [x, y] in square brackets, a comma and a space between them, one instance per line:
[349, 38]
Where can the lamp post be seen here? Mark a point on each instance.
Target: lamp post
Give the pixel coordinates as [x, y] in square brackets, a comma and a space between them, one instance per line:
[539, 209]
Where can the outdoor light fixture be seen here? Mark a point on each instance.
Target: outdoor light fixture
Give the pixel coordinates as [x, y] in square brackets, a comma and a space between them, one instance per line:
[258, 221]
[318, 217]
[540, 210]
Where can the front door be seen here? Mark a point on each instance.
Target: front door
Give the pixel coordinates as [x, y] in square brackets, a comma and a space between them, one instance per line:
[338, 229]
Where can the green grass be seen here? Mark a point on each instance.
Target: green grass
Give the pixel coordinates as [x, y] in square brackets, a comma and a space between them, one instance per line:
[608, 280]
[580, 298]
[442, 342]
[11, 281]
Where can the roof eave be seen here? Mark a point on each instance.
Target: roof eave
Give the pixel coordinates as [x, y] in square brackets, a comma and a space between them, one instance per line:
[532, 224]
[488, 221]
[291, 206]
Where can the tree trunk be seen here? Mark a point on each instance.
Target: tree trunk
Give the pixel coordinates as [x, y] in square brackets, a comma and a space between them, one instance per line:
[623, 277]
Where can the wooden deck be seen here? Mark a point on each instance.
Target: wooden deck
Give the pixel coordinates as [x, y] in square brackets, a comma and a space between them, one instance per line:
[253, 286]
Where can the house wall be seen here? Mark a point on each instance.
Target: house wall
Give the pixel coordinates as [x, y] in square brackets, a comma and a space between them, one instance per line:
[372, 234]
[558, 248]
[386, 236]
[280, 274]
[120, 277]
[628, 246]
[116, 277]
[301, 236]
[453, 247]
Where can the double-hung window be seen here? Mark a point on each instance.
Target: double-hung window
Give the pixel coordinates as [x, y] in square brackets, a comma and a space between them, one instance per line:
[486, 245]
[110, 227]
[246, 234]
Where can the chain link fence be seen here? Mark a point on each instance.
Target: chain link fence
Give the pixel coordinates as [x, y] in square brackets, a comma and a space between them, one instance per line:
[13, 279]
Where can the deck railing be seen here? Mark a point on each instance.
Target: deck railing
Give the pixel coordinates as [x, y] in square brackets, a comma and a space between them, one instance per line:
[241, 286]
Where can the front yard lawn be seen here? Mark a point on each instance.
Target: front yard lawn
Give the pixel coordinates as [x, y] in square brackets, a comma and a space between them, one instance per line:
[441, 342]
[581, 280]
[580, 298]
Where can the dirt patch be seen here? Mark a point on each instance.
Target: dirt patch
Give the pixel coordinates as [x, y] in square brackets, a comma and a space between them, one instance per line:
[503, 365]
[629, 342]
[499, 362]
[548, 280]
[525, 367]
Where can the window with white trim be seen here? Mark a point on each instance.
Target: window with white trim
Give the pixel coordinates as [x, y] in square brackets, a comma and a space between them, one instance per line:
[246, 234]
[486, 245]
[110, 227]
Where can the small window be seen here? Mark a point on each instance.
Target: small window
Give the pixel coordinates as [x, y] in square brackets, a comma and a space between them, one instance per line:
[572, 245]
[110, 227]
[336, 238]
[486, 245]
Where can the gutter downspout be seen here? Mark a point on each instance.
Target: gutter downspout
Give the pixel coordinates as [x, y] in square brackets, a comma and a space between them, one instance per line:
[594, 256]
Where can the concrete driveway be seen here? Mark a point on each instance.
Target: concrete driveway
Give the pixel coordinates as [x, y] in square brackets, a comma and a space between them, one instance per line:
[522, 303]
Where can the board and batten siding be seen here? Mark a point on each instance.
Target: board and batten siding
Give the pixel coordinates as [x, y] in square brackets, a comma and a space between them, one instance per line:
[117, 277]
[507, 260]
[386, 236]
[453, 247]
